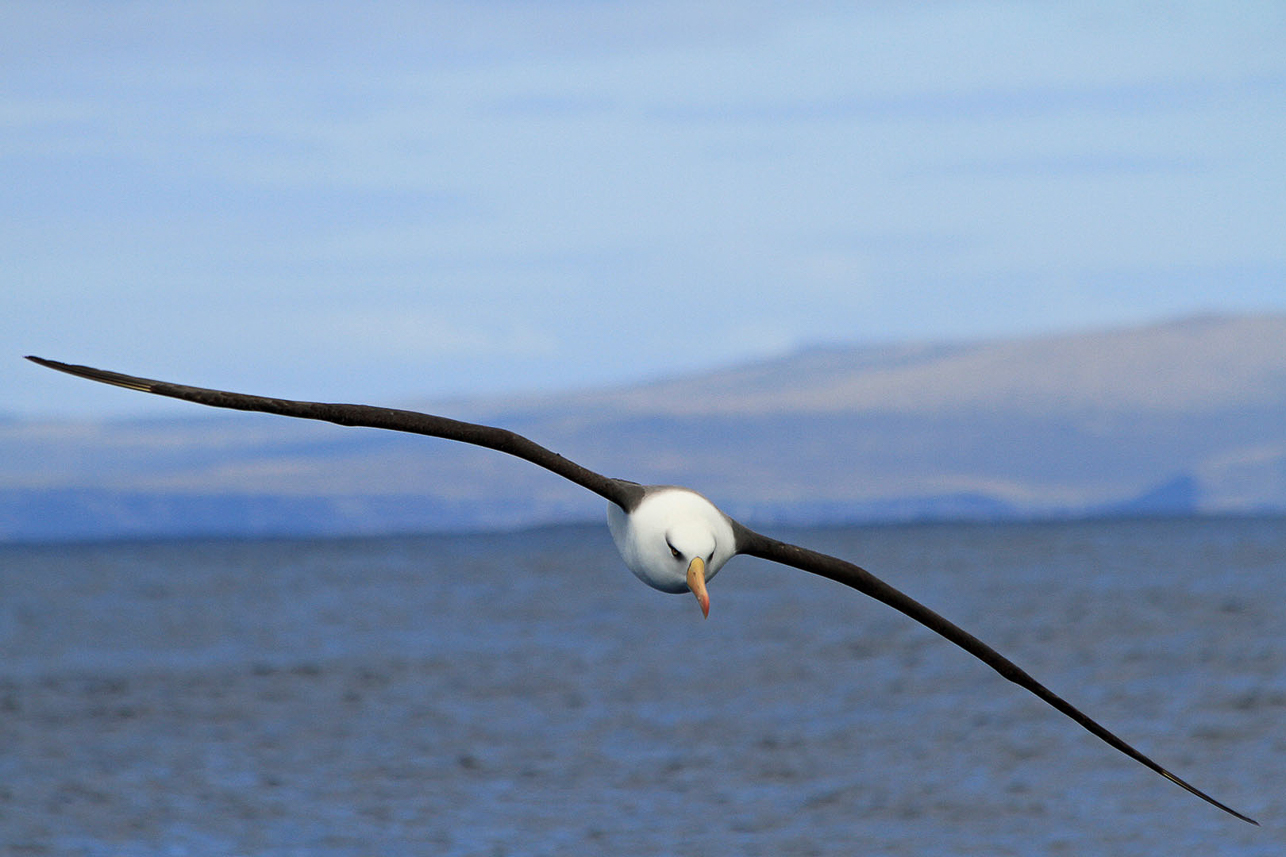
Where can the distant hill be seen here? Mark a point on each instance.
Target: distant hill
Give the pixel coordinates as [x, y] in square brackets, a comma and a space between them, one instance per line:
[1182, 417]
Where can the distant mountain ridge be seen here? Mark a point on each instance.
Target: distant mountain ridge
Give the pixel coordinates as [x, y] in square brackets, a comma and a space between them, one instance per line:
[1187, 416]
[1206, 361]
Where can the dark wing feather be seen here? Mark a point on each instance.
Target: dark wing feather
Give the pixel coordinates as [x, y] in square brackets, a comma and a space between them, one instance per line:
[619, 491]
[754, 544]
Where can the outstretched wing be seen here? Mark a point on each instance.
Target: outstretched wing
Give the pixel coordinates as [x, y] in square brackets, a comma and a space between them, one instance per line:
[755, 544]
[621, 492]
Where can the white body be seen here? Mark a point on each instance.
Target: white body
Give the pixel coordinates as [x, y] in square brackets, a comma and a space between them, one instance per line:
[670, 528]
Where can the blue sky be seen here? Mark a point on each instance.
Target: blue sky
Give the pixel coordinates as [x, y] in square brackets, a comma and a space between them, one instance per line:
[394, 201]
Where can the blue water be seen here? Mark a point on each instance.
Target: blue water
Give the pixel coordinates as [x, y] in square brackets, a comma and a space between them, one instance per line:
[523, 694]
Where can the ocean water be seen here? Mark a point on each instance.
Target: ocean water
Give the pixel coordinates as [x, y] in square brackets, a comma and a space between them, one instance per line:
[522, 694]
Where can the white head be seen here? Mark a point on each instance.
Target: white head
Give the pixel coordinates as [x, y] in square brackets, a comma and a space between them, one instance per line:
[674, 540]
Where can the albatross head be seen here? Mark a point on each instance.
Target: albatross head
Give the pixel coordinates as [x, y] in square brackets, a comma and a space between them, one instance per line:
[674, 540]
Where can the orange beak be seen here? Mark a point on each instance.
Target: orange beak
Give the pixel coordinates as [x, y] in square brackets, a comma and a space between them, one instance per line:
[697, 583]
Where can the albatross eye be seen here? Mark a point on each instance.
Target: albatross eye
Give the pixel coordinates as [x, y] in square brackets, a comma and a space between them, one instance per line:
[674, 551]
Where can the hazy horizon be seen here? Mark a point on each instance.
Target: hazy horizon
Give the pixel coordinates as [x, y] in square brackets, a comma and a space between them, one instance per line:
[1176, 418]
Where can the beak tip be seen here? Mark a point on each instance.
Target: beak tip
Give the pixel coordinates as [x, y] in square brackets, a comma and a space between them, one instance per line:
[697, 583]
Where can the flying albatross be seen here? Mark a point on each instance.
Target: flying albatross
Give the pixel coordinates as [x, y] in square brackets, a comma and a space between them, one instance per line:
[672, 538]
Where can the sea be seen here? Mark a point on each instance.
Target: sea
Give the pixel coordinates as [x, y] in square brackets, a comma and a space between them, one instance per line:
[520, 693]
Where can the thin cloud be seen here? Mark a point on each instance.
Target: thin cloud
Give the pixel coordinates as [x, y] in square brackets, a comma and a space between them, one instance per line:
[1082, 164]
[984, 103]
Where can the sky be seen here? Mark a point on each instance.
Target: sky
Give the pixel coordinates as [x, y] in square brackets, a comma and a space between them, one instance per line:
[401, 202]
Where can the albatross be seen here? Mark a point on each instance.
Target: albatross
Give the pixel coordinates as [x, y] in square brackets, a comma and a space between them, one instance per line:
[672, 538]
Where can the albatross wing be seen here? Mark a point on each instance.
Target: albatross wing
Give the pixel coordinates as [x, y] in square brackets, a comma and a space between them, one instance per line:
[621, 492]
[754, 544]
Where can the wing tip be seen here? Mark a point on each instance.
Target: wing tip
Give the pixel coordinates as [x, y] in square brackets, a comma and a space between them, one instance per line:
[130, 382]
[1207, 798]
